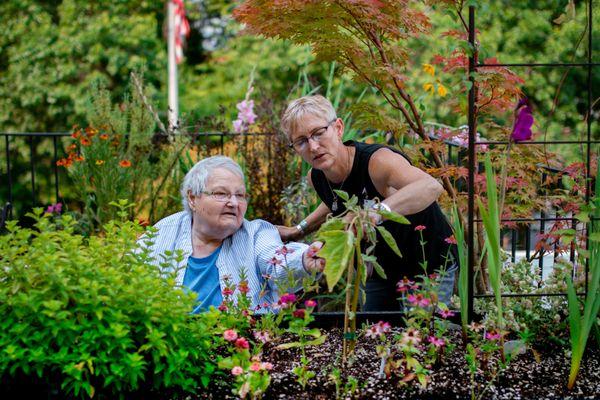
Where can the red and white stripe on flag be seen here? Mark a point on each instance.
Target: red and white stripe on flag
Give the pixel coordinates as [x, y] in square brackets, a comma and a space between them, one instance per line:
[181, 27]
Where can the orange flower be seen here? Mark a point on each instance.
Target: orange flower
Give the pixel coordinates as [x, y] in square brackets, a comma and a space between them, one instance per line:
[79, 158]
[125, 163]
[91, 131]
[104, 136]
[76, 134]
[85, 141]
[71, 147]
[99, 162]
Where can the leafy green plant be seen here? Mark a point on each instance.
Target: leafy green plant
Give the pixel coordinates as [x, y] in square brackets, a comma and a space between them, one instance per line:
[491, 221]
[343, 237]
[463, 272]
[581, 324]
[92, 316]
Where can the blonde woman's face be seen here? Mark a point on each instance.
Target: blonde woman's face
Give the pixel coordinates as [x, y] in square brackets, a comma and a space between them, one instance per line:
[317, 140]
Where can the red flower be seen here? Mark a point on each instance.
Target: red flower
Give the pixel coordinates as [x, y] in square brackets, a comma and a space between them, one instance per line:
[299, 313]
[85, 141]
[243, 287]
[227, 292]
[420, 227]
[125, 163]
[242, 343]
[310, 303]
[450, 240]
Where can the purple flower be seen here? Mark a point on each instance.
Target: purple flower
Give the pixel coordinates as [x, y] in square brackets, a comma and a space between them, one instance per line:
[54, 208]
[523, 122]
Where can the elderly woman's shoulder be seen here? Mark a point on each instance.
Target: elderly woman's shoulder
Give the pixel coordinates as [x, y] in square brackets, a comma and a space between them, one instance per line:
[173, 220]
[257, 225]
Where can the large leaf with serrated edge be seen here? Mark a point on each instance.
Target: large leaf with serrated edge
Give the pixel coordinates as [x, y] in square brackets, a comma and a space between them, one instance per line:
[337, 250]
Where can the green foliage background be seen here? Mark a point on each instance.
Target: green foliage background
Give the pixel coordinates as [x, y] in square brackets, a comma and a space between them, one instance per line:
[53, 52]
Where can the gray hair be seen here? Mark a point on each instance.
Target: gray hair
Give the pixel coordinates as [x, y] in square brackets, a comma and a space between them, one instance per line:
[195, 179]
[307, 105]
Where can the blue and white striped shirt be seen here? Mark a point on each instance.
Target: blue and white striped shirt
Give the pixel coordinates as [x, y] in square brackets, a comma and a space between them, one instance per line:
[251, 248]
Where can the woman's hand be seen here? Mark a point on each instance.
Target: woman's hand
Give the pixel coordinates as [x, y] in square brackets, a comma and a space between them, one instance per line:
[288, 233]
[312, 262]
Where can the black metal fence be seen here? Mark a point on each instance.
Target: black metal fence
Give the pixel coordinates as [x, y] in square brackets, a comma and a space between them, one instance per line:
[474, 66]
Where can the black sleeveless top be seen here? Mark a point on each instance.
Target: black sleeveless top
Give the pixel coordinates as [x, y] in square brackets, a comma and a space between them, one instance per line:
[359, 183]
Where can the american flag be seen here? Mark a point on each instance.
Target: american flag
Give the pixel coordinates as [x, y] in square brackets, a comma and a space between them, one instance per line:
[181, 27]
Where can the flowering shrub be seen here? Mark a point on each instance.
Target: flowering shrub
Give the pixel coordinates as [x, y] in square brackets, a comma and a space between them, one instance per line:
[117, 157]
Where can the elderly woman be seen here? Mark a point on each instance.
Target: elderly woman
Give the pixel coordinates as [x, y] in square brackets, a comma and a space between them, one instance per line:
[218, 243]
[371, 171]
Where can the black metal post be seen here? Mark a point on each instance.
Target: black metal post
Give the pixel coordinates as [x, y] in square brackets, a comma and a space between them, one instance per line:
[8, 172]
[55, 168]
[32, 167]
[472, 161]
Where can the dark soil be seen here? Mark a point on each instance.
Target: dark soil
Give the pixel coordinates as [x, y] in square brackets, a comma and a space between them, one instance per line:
[524, 378]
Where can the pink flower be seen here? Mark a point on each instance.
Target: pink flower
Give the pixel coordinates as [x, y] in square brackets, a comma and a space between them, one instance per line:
[255, 366]
[492, 335]
[437, 342]
[450, 240]
[246, 111]
[237, 370]
[420, 227]
[238, 126]
[227, 292]
[405, 284]
[446, 313]
[378, 329]
[433, 276]
[288, 298]
[284, 251]
[310, 303]
[223, 307]
[230, 335]
[418, 300]
[267, 366]
[275, 261]
[410, 337]
[262, 336]
[300, 313]
[242, 343]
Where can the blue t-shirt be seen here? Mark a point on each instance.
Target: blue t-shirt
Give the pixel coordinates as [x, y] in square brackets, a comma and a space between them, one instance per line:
[202, 277]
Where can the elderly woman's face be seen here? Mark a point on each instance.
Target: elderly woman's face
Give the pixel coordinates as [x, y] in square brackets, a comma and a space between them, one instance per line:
[316, 140]
[220, 210]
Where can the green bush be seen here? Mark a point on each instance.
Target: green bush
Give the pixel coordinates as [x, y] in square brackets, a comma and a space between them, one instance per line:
[92, 317]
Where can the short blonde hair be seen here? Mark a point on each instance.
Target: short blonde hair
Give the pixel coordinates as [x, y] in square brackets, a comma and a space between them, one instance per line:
[307, 105]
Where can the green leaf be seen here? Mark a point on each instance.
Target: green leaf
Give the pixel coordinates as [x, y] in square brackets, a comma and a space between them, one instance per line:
[337, 250]
[389, 239]
[342, 194]
[379, 269]
[333, 224]
[393, 216]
